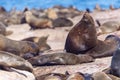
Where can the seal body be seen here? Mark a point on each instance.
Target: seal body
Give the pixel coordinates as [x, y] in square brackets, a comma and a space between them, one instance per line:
[40, 41]
[60, 59]
[82, 37]
[115, 64]
[18, 47]
[36, 23]
[105, 48]
[108, 27]
[12, 61]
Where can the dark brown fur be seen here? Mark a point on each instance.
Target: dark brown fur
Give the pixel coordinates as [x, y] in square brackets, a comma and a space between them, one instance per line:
[82, 37]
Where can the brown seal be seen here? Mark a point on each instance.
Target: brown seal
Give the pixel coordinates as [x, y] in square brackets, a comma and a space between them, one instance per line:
[8, 61]
[105, 48]
[36, 23]
[108, 27]
[18, 47]
[62, 22]
[40, 41]
[60, 59]
[82, 37]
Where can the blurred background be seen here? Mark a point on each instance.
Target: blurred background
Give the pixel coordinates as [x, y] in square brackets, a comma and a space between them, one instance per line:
[43, 4]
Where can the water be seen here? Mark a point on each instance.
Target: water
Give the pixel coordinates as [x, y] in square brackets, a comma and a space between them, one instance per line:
[79, 4]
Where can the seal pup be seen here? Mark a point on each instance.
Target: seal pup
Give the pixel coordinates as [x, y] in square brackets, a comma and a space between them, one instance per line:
[60, 59]
[62, 22]
[82, 37]
[108, 27]
[105, 48]
[19, 48]
[40, 41]
[115, 63]
[8, 61]
[36, 23]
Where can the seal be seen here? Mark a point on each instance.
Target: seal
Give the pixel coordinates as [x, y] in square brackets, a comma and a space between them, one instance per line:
[60, 59]
[105, 48]
[82, 36]
[100, 76]
[8, 61]
[40, 41]
[62, 22]
[108, 27]
[18, 47]
[115, 63]
[36, 23]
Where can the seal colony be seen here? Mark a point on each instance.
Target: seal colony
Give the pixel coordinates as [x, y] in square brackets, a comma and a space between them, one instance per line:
[81, 45]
